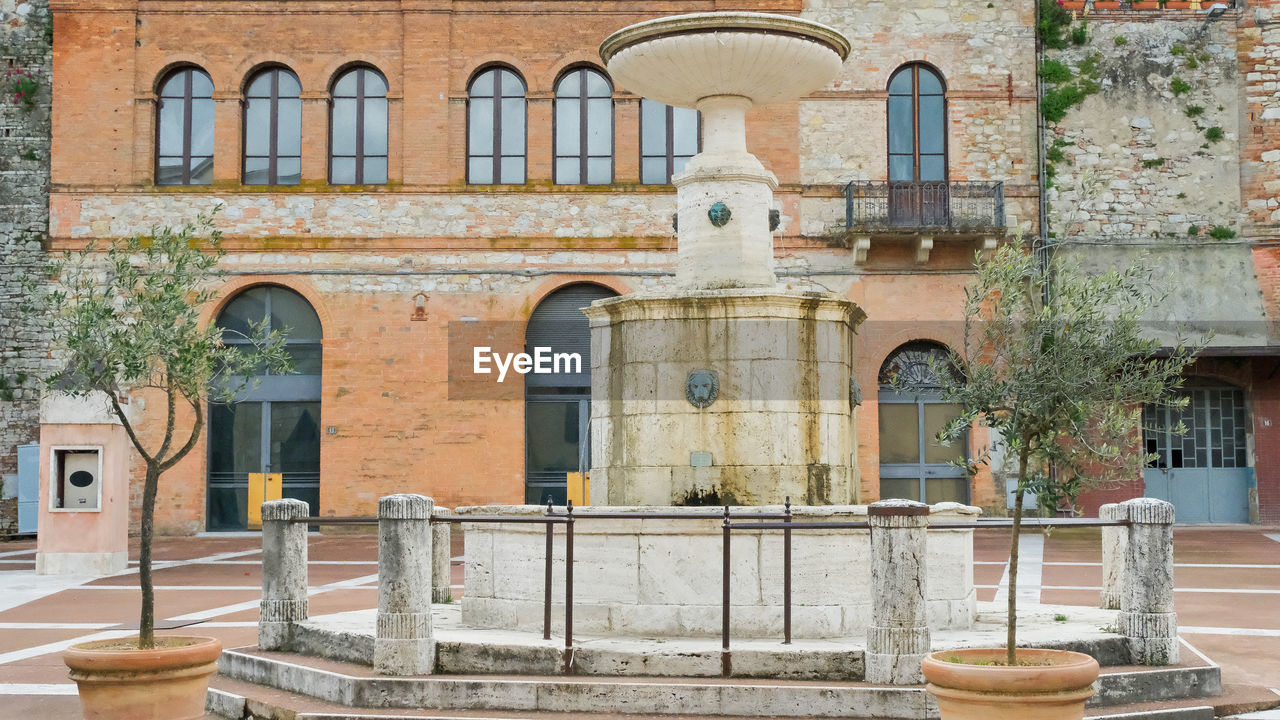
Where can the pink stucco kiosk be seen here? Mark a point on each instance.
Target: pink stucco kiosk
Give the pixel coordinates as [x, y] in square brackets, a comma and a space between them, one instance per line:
[84, 488]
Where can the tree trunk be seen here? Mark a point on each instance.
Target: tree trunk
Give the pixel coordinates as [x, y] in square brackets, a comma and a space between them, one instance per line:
[147, 622]
[1011, 641]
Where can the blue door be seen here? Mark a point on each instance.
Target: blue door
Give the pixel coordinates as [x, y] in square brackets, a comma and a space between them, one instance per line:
[1203, 471]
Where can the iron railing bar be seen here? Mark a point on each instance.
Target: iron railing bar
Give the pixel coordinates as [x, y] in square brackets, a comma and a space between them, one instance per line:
[726, 661]
[668, 516]
[568, 591]
[786, 578]
[499, 519]
[334, 520]
[546, 580]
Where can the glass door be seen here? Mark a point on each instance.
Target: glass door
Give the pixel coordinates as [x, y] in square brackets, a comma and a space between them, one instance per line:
[261, 437]
[555, 444]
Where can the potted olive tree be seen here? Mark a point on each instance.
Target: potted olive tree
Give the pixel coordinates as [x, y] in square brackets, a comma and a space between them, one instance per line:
[126, 319]
[1061, 378]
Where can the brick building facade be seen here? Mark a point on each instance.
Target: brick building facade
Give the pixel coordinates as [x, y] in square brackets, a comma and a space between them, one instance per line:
[393, 270]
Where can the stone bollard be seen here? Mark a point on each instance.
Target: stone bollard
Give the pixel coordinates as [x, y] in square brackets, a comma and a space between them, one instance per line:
[1115, 541]
[441, 559]
[898, 636]
[403, 645]
[1146, 607]
[284, 572]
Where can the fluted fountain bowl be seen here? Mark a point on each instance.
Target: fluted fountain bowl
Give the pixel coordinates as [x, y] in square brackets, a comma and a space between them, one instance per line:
[766, 58]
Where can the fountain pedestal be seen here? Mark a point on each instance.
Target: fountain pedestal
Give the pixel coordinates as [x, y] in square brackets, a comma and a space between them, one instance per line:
[729, 390]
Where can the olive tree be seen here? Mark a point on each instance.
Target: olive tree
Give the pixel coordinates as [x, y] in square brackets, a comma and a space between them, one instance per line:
[1061, 377]
[124, 317]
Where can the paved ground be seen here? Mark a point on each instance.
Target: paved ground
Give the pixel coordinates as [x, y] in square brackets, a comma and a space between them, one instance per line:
[1227, 595]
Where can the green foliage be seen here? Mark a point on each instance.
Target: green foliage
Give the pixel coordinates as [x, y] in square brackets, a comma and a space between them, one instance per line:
[30, 154]
[1178, 86]
[1054, 72]
[1192, 63]
[1054, 19]
[1080, 34]
[9, 387]
[1177, 51]
[1213, 134]
[1054, 154]
[1061, 380]
[1120, 40]
[1153, 163]
[1222, 232]
[1181, 196]
[1193, 231]
[23, 86]
[126, 318]
[1060, 618]
[1056, 101]
[1089, 66]
[1195, 111]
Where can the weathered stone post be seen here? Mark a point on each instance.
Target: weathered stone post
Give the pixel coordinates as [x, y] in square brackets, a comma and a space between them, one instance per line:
[1115, 543]
[284, 572]
[898, 636]
[403, 645]
[441, 559]
[1146, 608]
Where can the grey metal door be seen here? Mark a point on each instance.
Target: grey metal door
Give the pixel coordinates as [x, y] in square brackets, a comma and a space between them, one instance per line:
[28, 488]
[1204, 472]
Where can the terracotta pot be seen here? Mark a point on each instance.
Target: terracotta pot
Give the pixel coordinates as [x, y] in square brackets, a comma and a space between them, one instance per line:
[1146, 6]
[1177, 5]
[1106, 4]
[167, 683]
[1053, 691]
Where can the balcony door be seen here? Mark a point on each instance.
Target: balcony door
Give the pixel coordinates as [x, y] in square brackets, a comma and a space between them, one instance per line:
[918, 194]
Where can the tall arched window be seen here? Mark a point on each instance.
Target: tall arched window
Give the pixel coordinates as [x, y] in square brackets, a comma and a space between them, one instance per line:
[584, 128]
[184, 128]
[273, 129]
[668, 138]
[913, 464]
[917, 146]
[358, 128]
[273, 427]
[496, 128]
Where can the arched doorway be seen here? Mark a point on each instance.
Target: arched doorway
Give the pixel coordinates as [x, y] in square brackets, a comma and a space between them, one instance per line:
[1205, 471]
[558, 406]
[913, 465]
[274, 424]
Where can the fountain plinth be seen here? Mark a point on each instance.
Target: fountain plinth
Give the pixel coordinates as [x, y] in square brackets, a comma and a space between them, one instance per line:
[729, 389]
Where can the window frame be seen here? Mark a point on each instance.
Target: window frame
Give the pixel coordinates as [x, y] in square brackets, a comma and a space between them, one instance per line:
[188, 105]
[360, 156]
[584, 156]
[669, 139]
[273, 141]
[915, 69]
[496, 98]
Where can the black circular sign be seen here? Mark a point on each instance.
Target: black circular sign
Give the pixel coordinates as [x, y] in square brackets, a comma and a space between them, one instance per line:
[81, 478]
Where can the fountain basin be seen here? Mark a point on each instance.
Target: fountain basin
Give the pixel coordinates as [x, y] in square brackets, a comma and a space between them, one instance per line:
[661, 578]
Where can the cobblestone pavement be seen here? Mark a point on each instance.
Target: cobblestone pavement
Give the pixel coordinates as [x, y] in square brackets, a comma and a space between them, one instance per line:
[1227, 595]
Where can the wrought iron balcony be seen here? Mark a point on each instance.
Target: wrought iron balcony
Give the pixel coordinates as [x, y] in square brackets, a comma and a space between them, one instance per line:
[932, 207]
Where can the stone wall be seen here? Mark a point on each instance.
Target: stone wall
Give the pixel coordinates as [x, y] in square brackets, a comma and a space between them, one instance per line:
[24, 202]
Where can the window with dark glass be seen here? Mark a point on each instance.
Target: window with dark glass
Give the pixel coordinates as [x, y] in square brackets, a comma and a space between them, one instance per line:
[917, 126]
[496, 128]
[668, 138]
[358, 129]
[584, 128]
[273, 129]
[184, 129]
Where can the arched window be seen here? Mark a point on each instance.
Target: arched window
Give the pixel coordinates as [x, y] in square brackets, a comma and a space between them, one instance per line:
[184, 128]
[558, 405]
[358, 128]
[496, 128]
[917, 146]
[913, 464]
[273, 427]
[668, 138]
[584, 128]
[273, 129]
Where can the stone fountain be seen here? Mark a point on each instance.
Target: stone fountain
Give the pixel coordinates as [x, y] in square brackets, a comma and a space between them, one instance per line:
[730, 389]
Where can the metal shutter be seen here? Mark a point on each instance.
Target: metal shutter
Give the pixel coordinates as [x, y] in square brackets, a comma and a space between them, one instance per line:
[558, 323]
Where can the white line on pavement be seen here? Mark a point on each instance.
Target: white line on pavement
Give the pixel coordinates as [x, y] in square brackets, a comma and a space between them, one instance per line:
[1273, 536]
[353, 583]
[37, 688]
[1243, 591]
[1248, 632]
[13, 553]
[1193, 649]
[61, 645]
[1030, 563]
[54, 626]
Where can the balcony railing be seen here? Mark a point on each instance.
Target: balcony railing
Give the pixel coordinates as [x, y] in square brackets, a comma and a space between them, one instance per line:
[961, 207]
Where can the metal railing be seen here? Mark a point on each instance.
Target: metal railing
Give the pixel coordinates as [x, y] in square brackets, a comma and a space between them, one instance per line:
[936, 206]
[783, 521]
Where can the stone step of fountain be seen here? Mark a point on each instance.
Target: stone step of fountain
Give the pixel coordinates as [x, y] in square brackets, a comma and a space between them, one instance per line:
[351, 685]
